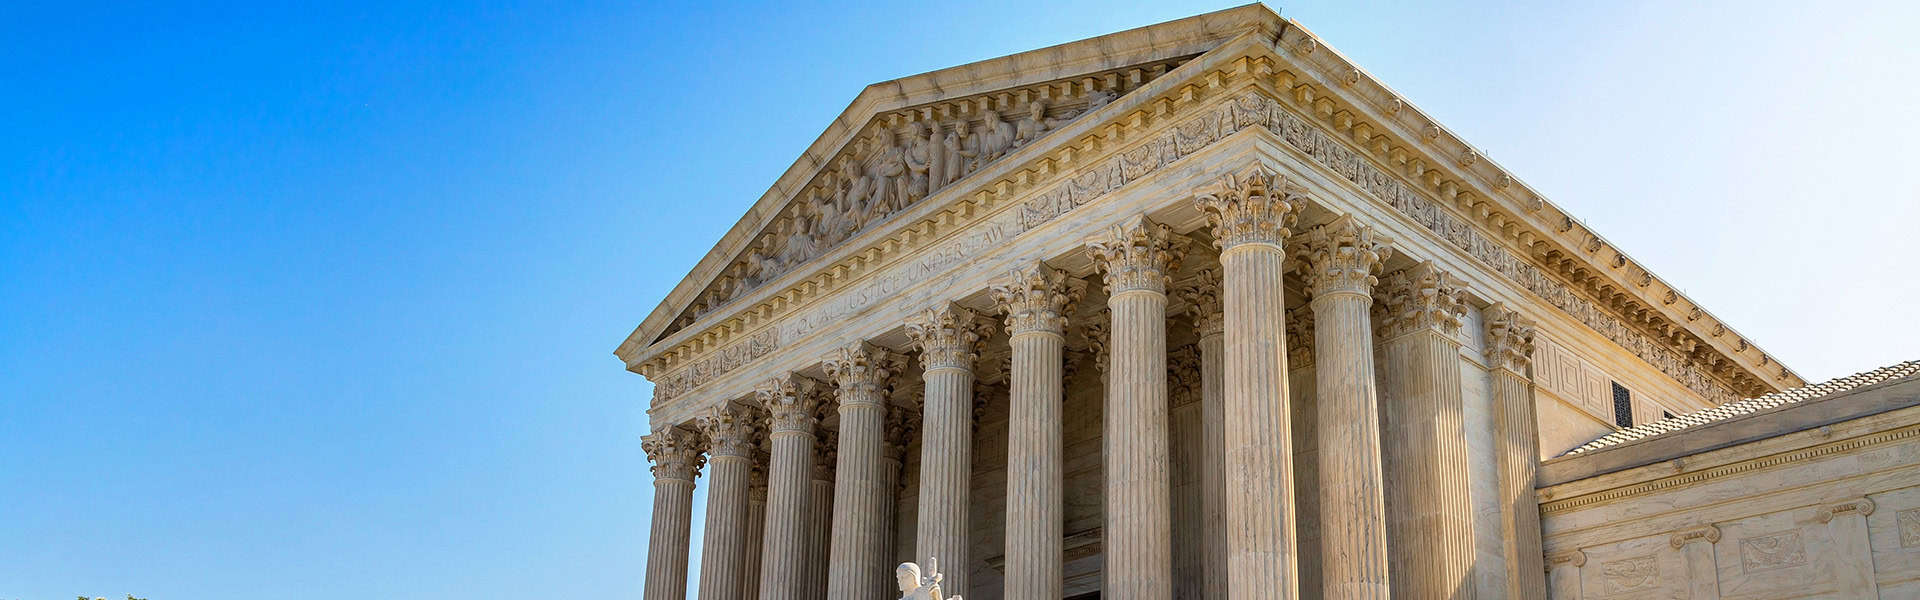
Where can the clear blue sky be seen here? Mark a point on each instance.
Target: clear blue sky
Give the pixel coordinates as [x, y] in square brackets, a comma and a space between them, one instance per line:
[319, 301]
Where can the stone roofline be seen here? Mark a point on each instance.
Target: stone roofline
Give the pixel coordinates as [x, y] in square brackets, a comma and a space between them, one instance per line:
[1814, 414]
[1280, 56]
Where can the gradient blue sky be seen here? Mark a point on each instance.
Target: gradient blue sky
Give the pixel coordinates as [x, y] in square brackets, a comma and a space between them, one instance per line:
[319, 301]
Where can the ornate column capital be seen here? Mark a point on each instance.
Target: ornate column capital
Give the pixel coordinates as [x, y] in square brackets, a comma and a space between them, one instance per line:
[1037, 298]
[1704, 533]
[1342, 256]
[1138, 255]
[1509, 339]
[1100, 341]
[1208, 314]
[791, 402]
[1299, 337]
[1421, 298]
[675, 453]
[902, 422]
[757, 480]
[948, 337]
[1183, 377]
[826, 454]
[1254, 206]
[730, 430]
[861, 371]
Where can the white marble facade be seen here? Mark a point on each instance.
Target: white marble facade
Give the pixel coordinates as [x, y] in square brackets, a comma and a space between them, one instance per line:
[1195, 310]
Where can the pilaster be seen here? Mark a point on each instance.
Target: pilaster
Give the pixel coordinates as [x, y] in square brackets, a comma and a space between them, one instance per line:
[1516, 438]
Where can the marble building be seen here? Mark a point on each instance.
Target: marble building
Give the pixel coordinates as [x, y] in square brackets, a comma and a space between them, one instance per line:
[1203, 310]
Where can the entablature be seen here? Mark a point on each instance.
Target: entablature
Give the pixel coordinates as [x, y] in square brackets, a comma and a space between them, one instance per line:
[1323, 106]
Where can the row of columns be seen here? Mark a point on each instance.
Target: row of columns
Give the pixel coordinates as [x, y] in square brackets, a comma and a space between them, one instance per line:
[1247, 487]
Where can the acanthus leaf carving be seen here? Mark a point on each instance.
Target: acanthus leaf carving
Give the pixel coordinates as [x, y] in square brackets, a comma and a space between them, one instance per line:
[1421, 298]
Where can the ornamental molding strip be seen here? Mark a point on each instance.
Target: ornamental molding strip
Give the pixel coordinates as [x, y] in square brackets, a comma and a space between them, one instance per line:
[1232, 88]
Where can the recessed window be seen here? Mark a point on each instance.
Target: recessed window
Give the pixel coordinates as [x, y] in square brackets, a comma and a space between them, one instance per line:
[1622, 405]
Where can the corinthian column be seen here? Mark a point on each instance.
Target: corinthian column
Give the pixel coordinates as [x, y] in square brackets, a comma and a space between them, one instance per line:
[1516, 444]
[949, 339]
[820, 516]
[791, 403]
[1252, 214]
[1036, 299]
[863, 492]
[1137, 256]
[1429, 511]
[1209, 324]
[1340, 260]
[730, 439]
[676, 461]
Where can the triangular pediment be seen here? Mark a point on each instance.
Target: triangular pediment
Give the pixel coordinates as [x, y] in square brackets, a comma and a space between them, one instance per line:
[902, 141]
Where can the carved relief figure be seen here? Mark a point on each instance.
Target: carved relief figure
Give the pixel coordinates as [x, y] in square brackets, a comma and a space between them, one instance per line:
[886, 189]
[996, 137]
[919, 159]
[960, 149]
[799, 245]
[1035, 124]
[914, 586]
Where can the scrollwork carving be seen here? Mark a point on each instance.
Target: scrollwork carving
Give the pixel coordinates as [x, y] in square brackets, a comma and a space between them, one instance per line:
[1037, 298]
[1342, 256]
[1255, 206]
[675, 453]
[731, 430]
[948, 337]
[1421, 298]
[1509, 339]
[1138, 255]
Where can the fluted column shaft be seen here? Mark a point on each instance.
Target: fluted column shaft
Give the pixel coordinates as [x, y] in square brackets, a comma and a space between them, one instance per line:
[820, 519]
[1340, 260]
[1137, 256]
[1252, 214]
[791, 403]
[1429, 508]
[730, 434]
[677, 461]
[948, 338]
[1036, 299]
[1516, 438]
[862, 492]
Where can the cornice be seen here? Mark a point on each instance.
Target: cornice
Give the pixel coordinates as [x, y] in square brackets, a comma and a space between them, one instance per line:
[1509, 213]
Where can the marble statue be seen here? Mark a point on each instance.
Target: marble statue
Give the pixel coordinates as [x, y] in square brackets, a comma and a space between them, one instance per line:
[915, 586]
[996, 137]
[960, 148]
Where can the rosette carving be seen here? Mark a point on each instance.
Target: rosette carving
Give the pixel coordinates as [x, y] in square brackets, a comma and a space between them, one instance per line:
[948, 337]
[1138, 255]
[1255, 206]
[1208, 314]
[861, 371]
[1036, 298]
[1509, 339]
[791, 403]
[730, 430]
[1421, 298]
[675, 453]
[1342, 256]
